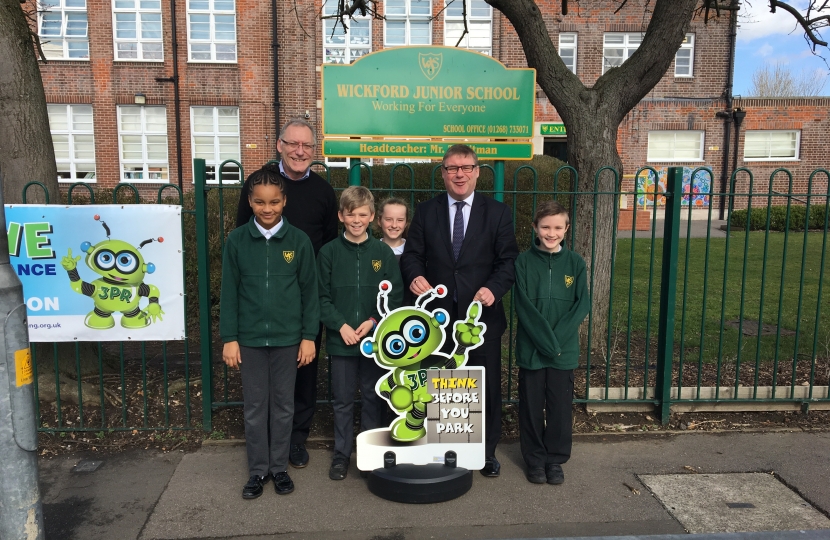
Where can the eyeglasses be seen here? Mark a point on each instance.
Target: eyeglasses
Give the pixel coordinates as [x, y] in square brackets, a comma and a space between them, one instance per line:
[452, 169]
[291, 146]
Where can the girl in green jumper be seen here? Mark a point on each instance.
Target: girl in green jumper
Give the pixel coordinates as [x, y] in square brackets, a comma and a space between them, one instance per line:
[269, 318]
[551, 298]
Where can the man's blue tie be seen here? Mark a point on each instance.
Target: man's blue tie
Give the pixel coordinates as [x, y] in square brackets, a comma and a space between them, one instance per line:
[458, 229]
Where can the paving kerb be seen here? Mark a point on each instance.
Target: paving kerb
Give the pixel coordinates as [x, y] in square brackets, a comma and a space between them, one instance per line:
[202, 499]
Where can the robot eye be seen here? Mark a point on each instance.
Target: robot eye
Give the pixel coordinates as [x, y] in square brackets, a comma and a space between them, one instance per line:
[126, 262]
[394, 345]
[105, 260]
[415, 331]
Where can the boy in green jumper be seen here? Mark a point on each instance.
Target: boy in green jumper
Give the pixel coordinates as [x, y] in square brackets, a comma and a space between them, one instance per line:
[269, 319]
[350, 269]
[551, 298]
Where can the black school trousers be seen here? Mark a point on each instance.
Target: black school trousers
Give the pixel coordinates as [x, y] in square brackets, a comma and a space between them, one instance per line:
[305, 395]
[545, 415]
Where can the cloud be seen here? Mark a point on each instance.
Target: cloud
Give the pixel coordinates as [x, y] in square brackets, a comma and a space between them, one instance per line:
[755, 20]
[764, 50]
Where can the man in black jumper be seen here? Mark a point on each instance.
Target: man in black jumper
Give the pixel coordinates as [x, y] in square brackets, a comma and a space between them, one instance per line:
[311, 206]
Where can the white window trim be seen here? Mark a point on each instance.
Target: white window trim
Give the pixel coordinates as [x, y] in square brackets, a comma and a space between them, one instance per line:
[212, 41]
[64, 10]
[347, 45]
[138, 10]
[575, 46]
[216, 161]
[651, 159]
[407, 19]
[144, 161]
[470, 19]
[770, 131]
[70, 133]
[628, 49]
[690, 39]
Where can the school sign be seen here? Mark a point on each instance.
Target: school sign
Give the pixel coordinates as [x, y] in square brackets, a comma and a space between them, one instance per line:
[440, 95]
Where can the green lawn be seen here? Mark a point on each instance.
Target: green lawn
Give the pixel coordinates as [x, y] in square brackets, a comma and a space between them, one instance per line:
[753, 286]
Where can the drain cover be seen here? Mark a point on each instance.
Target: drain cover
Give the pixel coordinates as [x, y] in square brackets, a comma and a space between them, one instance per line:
[741, 502]
[86, 466]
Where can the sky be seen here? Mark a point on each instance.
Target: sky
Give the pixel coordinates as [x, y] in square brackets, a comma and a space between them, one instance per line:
[766, 38]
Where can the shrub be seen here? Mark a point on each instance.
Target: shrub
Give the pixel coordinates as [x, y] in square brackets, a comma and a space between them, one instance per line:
[778, 218]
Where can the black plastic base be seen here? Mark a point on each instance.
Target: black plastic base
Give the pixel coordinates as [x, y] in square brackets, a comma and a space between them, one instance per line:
[420, 484]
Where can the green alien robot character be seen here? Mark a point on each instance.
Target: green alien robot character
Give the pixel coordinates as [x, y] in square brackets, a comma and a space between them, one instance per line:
[121, 285]
[408, 341]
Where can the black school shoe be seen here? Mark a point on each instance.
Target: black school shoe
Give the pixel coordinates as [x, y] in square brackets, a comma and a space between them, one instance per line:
[282, 483]
[536, 475]
[298, 456]
[554, 474]
[492, 467]
[339, 468]
[253, 488]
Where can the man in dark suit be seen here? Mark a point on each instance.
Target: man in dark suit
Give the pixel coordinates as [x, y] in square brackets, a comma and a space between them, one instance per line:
[465, 241]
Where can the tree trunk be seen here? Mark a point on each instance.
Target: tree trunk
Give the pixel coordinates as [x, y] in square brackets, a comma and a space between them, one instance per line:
[26, 152]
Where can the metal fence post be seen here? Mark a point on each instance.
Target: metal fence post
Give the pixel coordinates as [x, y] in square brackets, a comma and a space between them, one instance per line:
[354, 172]
[498, 180]
[203, 265]
[668, 292]
[21, 510]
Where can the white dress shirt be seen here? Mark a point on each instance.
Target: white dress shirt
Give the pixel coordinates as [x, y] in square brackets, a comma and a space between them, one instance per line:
[268, 233]
[465, 211]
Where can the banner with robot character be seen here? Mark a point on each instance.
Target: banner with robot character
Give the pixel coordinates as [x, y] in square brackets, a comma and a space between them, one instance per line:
[439, 401]
[99, 272]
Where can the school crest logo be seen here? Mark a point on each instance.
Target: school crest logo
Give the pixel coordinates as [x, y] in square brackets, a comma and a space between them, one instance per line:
[569, 280]
[288, 256]
[430, 64]
[376, 265]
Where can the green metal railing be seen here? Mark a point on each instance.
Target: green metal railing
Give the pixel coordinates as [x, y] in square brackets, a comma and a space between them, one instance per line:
[131, 381]
[702, 294]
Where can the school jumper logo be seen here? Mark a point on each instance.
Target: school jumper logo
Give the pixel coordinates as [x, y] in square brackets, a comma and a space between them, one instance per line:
[376, 265]
[288, 256]
[430, 64]
[569, 280]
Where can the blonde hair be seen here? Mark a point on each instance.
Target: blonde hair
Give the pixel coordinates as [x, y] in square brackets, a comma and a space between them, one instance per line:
[355, 197]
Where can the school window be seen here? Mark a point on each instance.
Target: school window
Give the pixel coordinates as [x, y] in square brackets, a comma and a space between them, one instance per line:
[72, 137]
[479, 35]
[211, 30]
[567, 50]
[142, 143]
[137, 29]
[64, 31]
[769, 145]
[618, 47]
[685, 57]
[215, 138]
[675, 146]
[345, 44]
[408, 22]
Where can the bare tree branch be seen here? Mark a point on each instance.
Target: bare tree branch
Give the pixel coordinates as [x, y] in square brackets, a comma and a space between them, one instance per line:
[809, 26]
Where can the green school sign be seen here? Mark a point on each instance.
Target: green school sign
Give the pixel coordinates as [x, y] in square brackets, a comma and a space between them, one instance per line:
[424, 149]
[552, 129]
[430, 92]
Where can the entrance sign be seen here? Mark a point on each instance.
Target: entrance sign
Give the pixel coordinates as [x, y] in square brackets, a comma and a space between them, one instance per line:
[552, 129]
[422, 149]
[439, 92]
[99, 272]
[439, 402]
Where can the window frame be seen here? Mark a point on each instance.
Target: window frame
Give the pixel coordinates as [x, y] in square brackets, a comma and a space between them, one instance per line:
[627, 47]
[143, 133]
[212, 164]
[348, 47]
[797, 149]
[407, 19]
[673, 159]
[138, 40]
[453, 19]
[59, 6]
[575, 48]
[71, 163]
[688, 44]
[212, 13]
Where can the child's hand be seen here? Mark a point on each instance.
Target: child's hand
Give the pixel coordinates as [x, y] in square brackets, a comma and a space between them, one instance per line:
[364, 329]
[306, 353]
[231, 355]
[350, 337]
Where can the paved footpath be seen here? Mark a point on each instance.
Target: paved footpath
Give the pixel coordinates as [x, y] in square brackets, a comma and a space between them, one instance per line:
[614, 487]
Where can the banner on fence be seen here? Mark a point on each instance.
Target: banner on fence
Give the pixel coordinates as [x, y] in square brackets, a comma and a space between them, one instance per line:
[99, 272]
[438, 401]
